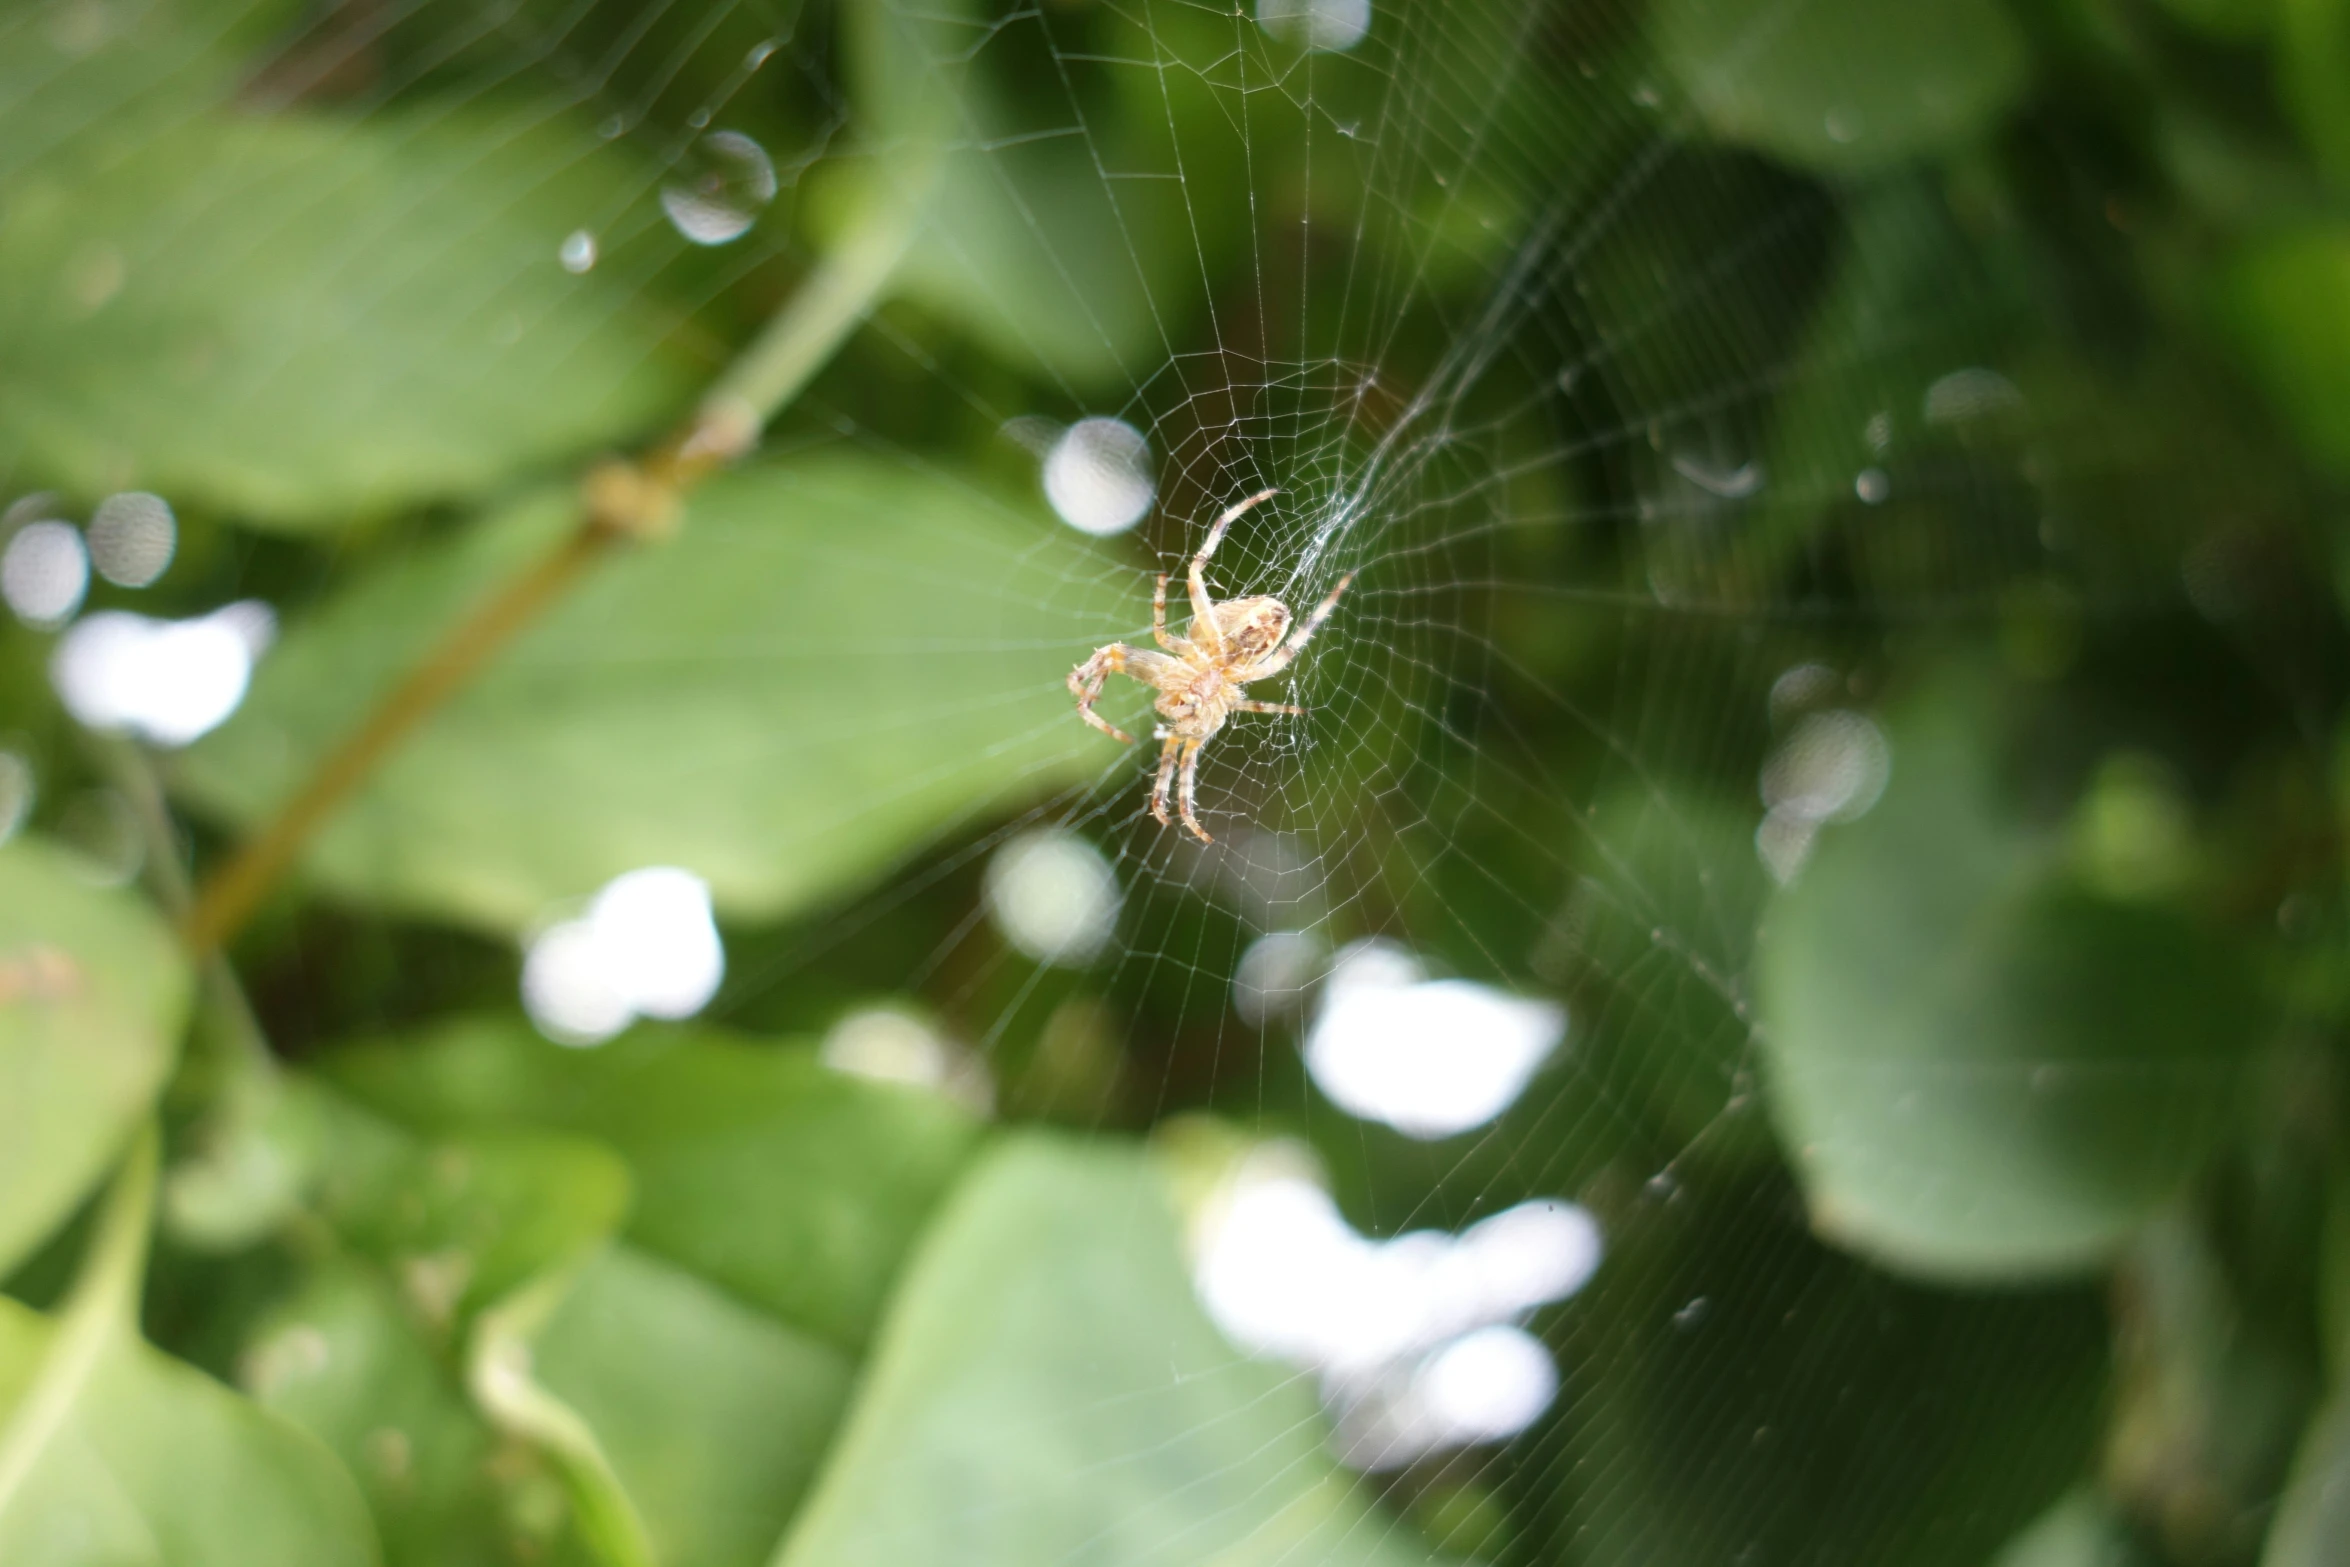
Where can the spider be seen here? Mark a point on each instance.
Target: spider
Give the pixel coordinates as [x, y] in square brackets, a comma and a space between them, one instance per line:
[1200, 676]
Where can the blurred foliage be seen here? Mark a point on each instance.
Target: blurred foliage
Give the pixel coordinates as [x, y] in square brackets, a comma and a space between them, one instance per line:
[1971, 1159]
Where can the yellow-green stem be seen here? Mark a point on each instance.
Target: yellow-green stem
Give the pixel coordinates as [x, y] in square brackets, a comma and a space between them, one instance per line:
[101, 1313]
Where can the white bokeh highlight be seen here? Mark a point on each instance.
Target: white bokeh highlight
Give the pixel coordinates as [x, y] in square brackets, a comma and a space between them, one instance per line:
[132, 538]
[1276, 974]
[1053, 895]
[1431, 1058]
[890, 1044]
[1415, 1340]
[1832, 767]
[169, 682]
[1097, 474]
[648, 946]
[44, 571]
[1328, 26]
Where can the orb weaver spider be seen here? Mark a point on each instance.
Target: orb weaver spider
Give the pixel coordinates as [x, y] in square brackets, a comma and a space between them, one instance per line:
[1200, 677]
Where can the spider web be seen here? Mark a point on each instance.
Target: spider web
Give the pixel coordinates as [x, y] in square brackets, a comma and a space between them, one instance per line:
[1439, 286]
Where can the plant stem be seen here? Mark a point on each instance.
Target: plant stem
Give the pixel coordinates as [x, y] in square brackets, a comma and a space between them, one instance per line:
[103, 1310]
[230, 896]
[231, 1015]
[620, 503]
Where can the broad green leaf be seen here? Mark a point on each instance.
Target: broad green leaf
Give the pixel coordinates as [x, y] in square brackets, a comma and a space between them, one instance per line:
[300, 319]
[2079, 1531]
[2237, 20]
[840, 1173]
[157, 1465]
[713, 1415]
[435, 1237]
[2313, 1517]
[1046, 1389]
[465, 1217]
[1911, 301]
[836, 661]
[1659, 1038]
[694, 1378]
[93, 993]
[70, 75]
[1977, 1072]
[2283, 300]
[2312, 57]
[1738, 1392]
[1026, 242]
[348, 1361]
[1845, 86]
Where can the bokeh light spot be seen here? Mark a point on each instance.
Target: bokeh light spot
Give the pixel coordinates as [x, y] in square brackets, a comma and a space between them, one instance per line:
[1053, 896]
[132, 537]
[1098, 476]
[1431, 1058]
[648, 946]
[44, 572]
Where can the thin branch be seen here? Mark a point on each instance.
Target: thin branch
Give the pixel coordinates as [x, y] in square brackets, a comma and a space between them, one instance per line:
[620, 502]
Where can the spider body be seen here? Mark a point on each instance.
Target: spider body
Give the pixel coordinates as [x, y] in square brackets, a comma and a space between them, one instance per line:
[1202, 676]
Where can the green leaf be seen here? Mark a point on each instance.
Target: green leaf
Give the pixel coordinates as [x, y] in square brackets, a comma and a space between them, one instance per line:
[713, 1416]
[837, 661]
[1912, 299]
[93, 994]
[1025, 242]
[2313, 1517]
[299, 319]
[1046, 1389]
[692, 1380]
[1978, 1072]
[344, 1359]
[2283, 300]
[1845, 86]
[1738, 1392]
[2312, 53]
[2235, 20]
[841, 1172]
[465, 1218]
[2079, 1531]
[157, 1464]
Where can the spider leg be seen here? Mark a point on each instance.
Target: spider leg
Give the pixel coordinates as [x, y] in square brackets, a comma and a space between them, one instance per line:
[1203, 609]
[1159, 615]
[1286, 654]
[1190, 787]
[1159, 788]
[1086, 682]
[1246, 706]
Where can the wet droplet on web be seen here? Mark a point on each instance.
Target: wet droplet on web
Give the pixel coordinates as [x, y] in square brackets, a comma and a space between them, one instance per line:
[578, 252]
[1872, 486]
[720, 188]
[132, 536]
[760, 53]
